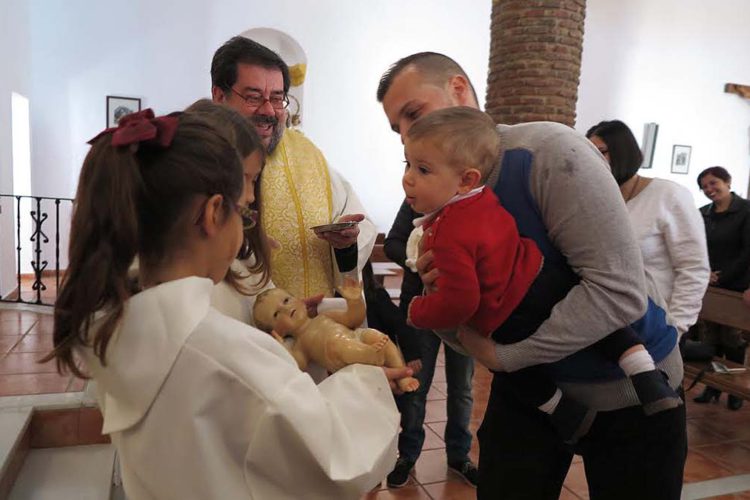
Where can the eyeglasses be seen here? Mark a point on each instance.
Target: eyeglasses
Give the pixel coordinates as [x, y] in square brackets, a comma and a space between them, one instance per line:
[249, 216]
[256, 100]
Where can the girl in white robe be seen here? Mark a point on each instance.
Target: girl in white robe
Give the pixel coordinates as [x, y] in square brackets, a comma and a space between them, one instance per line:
[199, 405]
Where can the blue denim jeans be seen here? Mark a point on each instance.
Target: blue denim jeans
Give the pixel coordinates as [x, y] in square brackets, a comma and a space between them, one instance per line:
[459, 371]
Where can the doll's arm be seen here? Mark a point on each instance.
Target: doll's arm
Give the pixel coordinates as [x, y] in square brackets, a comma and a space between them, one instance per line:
[356, 310]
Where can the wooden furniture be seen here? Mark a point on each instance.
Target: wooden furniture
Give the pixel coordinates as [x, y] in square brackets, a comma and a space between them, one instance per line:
[726, 308]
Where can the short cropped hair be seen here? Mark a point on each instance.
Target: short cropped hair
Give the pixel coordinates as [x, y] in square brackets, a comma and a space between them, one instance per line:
[625, 157]
[466, 137]
[243, 50]
[434, 67]
[719, 172]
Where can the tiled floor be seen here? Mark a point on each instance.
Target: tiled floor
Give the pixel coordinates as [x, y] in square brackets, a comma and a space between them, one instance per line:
[25, 337]
[719, 447]
[719, 439]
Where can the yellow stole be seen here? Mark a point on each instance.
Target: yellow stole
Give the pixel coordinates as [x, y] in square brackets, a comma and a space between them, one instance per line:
[296, 195]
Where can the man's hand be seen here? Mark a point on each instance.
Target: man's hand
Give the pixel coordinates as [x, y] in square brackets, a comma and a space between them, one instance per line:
[393, 374]
[344, 238]
[312, 303]
[714, 277]
[479, 347]
[427, 272]
[415, 364]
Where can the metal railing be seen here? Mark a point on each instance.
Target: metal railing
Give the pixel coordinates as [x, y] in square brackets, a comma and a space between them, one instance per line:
[33, 221]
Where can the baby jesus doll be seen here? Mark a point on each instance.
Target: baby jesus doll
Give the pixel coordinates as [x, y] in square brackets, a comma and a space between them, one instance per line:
[331, 339]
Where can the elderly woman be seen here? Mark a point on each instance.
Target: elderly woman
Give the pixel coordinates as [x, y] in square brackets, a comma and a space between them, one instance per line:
[666, 224]
[727, 221]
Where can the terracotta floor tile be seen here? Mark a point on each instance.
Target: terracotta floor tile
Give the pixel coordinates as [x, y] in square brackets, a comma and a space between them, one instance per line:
[435, 394]
[7, 342]
[24, 362]
[436, 411]
[433, 440]
[437, 427]
[413, 491]
[575, 481]
[20, 320]
[431, 467]
[566, 494]
[440, 386]
[34, 343]
[700, 468]
[729, 431]
[698, 434]
[731, 455]
[451, 490]
[439, 375]
[36, 383]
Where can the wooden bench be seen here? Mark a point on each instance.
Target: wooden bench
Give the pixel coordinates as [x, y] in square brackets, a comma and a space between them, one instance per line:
[725, 308]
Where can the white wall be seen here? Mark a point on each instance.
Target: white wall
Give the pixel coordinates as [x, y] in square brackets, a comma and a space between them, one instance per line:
[15, 75]
[161, 51]
[667, 61]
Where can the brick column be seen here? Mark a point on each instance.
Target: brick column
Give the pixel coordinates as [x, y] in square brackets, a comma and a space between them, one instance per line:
[535, 60]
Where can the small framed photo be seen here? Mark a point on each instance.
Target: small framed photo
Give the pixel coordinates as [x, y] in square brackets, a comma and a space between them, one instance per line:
[680, 159]
[118, 106]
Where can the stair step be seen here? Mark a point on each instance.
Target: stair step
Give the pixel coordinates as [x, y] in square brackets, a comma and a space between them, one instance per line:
[67, 473]
[13, 425]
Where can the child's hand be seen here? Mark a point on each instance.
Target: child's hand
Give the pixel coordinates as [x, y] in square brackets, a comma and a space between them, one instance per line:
[350, 289]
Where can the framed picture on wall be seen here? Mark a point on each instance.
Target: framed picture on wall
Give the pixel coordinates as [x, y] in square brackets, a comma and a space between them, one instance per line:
[680, 158]
[118, 106]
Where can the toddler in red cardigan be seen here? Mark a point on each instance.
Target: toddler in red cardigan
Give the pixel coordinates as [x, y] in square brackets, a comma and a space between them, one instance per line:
[488, 270]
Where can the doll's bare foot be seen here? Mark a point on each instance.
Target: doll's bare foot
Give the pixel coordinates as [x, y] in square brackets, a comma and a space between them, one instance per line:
[380, 343]
[408, 384]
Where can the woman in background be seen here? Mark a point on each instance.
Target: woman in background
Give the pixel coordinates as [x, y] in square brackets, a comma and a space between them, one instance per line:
[727, 222]
[666, 224]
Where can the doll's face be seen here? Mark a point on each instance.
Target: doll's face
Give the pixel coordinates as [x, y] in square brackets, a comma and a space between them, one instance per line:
[282, 311]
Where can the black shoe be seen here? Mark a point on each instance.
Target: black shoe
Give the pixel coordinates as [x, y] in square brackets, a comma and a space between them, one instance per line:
[709, 394]
[734, 403]
[399, 476]
[467, 470]
[653, 391]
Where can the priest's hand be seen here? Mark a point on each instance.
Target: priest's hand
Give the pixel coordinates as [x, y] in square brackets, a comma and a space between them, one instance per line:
[346, 237]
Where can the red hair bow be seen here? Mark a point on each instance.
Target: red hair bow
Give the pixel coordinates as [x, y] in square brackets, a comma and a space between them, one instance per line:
[141, 127]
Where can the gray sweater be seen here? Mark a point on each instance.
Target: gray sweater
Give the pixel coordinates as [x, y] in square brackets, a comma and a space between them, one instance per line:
[586, 220]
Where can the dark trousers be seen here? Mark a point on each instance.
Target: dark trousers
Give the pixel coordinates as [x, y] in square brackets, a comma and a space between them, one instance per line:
[459, 371]
[626, 454]
[534, 384]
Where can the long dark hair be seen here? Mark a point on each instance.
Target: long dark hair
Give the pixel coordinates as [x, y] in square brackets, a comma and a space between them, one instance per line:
[625, 157]
[240, 132]
[133, 202]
